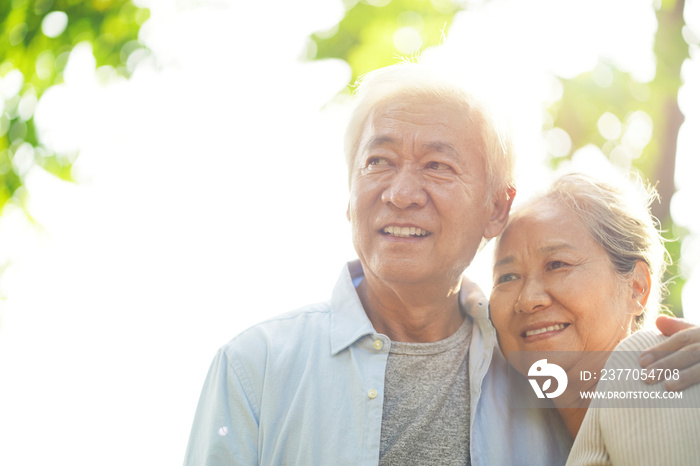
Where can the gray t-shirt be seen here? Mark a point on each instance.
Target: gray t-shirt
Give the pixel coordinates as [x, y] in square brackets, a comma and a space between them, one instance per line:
[425, 417]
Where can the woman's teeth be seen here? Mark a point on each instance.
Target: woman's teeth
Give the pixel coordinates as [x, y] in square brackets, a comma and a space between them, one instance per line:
[551, 328]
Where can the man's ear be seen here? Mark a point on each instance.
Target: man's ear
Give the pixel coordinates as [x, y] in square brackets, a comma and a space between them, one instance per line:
[347, 212]
[500, 210]
[641, 285]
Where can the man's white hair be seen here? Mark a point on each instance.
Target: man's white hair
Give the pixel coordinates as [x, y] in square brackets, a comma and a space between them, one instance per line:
[417, 80]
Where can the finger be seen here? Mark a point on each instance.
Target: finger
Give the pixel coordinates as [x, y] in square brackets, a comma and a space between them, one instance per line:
[687, 378]
[669, 325]
[683, 340]
[678, 360]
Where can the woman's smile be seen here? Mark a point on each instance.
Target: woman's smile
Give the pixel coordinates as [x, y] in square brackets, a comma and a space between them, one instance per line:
[554, 286]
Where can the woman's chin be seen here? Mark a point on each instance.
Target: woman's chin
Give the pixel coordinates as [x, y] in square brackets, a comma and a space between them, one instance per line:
[530, 349]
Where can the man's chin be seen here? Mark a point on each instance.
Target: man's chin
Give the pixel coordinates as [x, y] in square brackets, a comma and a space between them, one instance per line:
[405, 271]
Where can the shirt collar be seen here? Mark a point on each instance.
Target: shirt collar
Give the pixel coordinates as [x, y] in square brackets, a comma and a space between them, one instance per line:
[349, 321]
[480, 311]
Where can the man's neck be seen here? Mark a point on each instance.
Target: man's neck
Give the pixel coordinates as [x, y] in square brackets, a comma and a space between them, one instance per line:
[411, 313]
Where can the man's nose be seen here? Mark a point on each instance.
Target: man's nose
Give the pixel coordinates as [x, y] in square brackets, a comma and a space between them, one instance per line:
[406, 189]
[533, 296]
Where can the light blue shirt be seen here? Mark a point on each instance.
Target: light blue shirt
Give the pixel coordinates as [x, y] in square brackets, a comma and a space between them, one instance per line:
[307, 387]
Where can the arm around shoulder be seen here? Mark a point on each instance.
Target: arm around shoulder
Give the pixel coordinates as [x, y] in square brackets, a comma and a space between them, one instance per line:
[637, 434]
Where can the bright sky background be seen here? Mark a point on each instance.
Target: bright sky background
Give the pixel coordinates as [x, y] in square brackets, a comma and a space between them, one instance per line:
[212, 194]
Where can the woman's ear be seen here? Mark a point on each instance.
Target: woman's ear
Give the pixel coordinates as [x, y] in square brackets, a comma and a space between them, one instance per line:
[641, 285]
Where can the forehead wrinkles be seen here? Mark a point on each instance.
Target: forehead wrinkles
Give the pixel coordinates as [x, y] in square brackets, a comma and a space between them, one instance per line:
[555, 228]
[420, 112]
[513, 243]
[431, 127]
[515, 236]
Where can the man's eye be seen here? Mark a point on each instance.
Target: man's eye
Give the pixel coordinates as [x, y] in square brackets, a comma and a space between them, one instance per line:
[377, 161]
[438, 166]
[507, 277]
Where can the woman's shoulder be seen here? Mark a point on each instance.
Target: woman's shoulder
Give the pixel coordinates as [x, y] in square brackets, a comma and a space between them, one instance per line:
[640, 340]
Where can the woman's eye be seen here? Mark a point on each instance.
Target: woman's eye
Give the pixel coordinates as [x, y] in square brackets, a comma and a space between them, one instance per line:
[438, 166]
[553, 265]
[507, 277]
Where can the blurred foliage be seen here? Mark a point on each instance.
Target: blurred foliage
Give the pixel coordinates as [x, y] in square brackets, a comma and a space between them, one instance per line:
[36, 39]
[644, 116]
[364, 38]
[607, 90]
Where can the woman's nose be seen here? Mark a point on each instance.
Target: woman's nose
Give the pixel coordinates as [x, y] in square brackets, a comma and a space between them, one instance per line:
[533, 296]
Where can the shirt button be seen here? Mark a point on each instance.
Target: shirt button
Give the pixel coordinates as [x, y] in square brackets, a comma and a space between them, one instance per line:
[378, 344]
[372, 393]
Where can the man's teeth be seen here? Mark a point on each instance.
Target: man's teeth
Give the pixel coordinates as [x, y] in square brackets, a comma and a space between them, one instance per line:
[551, 328]
[405, 232]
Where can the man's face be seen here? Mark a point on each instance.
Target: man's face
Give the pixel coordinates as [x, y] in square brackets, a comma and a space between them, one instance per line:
[417, 198]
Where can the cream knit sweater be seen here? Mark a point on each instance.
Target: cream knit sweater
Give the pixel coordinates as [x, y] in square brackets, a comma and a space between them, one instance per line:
[639, 436]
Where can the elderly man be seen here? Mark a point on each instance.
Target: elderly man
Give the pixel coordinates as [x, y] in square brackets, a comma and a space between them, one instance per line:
[391, 370]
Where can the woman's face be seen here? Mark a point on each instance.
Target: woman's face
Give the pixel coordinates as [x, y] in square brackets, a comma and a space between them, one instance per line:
[555, 288]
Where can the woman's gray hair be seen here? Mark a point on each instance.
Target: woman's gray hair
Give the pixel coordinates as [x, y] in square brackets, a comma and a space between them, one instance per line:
[618, 217]
[416, 80]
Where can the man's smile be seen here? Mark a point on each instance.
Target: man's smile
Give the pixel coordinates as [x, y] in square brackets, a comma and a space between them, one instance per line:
[405, 231]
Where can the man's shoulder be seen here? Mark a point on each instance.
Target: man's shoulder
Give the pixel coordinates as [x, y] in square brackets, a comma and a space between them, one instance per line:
[277, 350]
[283, 335]
[304, 322]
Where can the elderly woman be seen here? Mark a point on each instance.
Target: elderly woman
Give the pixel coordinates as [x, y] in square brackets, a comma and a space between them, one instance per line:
[578, 269]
